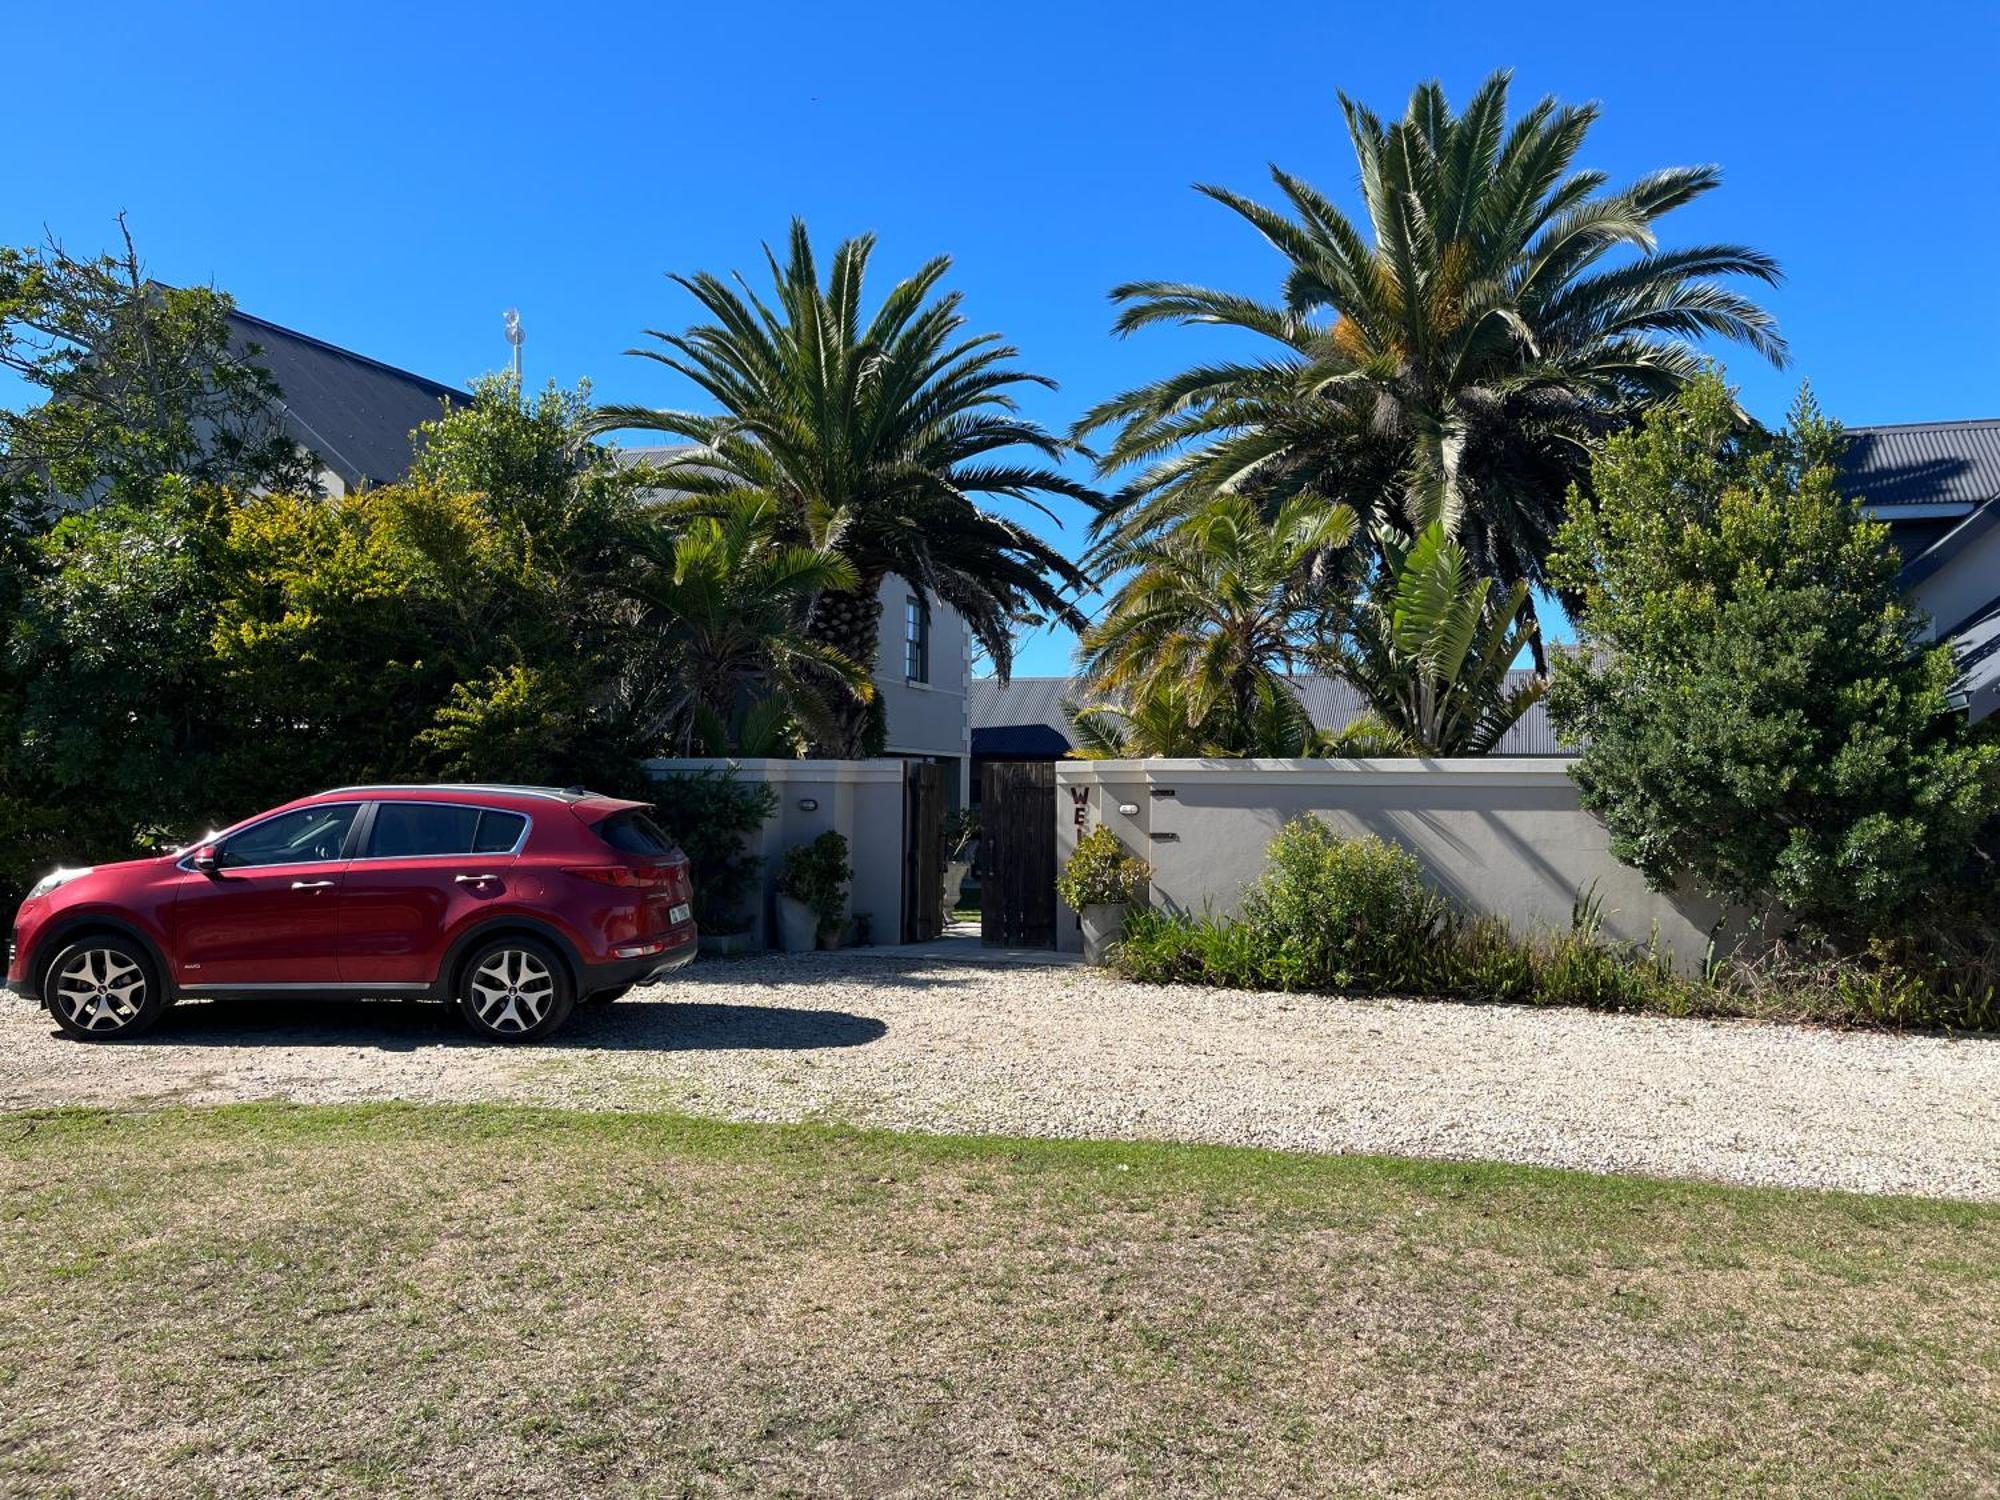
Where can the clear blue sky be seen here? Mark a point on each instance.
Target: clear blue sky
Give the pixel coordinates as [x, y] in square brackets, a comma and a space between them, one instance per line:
[391, 178]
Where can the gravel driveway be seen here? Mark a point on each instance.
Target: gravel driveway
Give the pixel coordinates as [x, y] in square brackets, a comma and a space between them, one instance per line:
[1063, 1051]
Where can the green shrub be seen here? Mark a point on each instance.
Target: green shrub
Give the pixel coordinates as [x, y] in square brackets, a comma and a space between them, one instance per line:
[1100, 873]
[817, 874]
[710, 814]
[1480, 958]
[1333, 914]
[1759, 706]
[1346, 912]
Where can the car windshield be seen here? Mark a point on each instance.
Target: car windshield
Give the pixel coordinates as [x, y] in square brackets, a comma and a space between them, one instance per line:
[306, 835]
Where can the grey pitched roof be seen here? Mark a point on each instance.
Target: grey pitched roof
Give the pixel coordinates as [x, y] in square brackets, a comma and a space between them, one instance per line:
[356, 413]
[1331, 704]
[654, 457]
[1924, 463]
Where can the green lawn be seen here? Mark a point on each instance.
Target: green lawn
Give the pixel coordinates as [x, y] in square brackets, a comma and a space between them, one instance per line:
[288, 1301]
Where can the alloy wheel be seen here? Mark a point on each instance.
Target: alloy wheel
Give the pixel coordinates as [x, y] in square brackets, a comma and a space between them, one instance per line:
[512, 990]
[100, 989]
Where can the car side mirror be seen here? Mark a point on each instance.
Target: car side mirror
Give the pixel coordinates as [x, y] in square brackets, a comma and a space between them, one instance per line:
[206, 860]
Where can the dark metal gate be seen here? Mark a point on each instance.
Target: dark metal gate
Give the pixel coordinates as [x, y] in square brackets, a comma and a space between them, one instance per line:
[923, 850]
[1017, 854]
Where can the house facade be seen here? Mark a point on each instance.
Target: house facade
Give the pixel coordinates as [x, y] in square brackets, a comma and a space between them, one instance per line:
[1937, 485]
[923, 670]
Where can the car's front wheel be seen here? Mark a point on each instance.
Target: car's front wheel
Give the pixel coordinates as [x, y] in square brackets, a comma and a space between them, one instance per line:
[102, 988]
[515, 989]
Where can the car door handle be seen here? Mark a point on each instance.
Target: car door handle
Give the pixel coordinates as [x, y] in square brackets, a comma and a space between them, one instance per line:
[311, 885]
[474, 879]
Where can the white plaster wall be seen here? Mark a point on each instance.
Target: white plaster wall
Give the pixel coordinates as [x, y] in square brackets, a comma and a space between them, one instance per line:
[862, 800]
[1504, 836]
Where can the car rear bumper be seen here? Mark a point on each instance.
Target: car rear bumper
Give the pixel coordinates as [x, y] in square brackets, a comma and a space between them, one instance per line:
[629, 971]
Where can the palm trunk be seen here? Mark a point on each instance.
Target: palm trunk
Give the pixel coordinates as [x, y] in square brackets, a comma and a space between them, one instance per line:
[850, 621]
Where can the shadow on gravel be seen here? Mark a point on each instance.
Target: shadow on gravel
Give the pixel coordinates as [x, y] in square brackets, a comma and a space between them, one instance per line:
[883, 972]
[664, 1025]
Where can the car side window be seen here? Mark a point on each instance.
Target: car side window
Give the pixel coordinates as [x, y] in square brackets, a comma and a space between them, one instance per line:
[498, 832]
[306, 835]
[410, 830]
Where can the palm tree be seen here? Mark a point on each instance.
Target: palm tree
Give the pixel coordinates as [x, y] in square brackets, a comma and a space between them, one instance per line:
[726, 598]
[1216, 609]
[1455, 363]
[893, 427]
[1431, 645]
[1156, 724]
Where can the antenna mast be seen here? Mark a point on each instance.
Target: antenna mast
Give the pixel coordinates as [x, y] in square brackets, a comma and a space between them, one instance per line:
[516, 335]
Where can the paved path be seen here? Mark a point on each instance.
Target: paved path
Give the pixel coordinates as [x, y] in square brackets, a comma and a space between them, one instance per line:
[933, 1044]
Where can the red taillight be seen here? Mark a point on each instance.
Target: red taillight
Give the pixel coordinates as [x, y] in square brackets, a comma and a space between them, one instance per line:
[632, 877]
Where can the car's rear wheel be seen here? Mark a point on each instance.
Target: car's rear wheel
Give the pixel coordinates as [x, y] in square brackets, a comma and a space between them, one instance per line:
[102, 988]
[515, 989]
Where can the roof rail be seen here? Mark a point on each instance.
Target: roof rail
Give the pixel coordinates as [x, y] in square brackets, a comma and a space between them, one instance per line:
[552, 793]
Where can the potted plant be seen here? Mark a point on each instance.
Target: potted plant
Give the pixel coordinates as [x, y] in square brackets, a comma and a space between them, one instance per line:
[961, 833]
[1099, 882]
[812, 893]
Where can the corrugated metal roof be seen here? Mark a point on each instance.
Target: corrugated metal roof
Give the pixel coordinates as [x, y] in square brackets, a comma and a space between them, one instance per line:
[1330, 702]
[356, 413]
[1924, 463]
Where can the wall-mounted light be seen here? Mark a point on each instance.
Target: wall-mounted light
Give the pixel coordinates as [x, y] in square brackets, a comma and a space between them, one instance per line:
[808, 804]
[1128, 809]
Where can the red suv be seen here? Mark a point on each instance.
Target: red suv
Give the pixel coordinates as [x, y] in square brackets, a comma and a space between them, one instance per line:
[511, 902]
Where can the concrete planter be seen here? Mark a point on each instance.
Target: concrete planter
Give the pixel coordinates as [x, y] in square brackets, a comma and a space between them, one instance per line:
[798, 926]
[954, 885]
[1102, 926]
[728, 944]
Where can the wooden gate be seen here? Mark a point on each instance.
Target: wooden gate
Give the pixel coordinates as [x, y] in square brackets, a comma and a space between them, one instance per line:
[1017, 854]
[923, 850]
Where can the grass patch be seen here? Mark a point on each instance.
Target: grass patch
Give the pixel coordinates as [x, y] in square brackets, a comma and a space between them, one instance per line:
[484, 1300]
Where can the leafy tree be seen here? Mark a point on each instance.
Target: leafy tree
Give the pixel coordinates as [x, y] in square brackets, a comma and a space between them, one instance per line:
[140, 382]
[148, 412]
[728, 598]
[1457, 360]
[1756, 704]
[1431, 645]
[401, 632]
[116, 735]
[1215, 610]
[887, 428]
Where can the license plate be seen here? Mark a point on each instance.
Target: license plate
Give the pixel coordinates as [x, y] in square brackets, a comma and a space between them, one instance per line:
[679, 914]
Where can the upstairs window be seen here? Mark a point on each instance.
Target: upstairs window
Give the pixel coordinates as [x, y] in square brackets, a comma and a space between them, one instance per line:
[916, 640]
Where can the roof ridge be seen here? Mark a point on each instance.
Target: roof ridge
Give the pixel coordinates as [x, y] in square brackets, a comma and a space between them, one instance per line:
[455, 393]
[1931, 426]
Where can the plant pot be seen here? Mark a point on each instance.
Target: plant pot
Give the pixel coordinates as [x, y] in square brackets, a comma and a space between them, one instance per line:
[798, 926]
[726, 944]
[1102, 926]
[954, 885]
